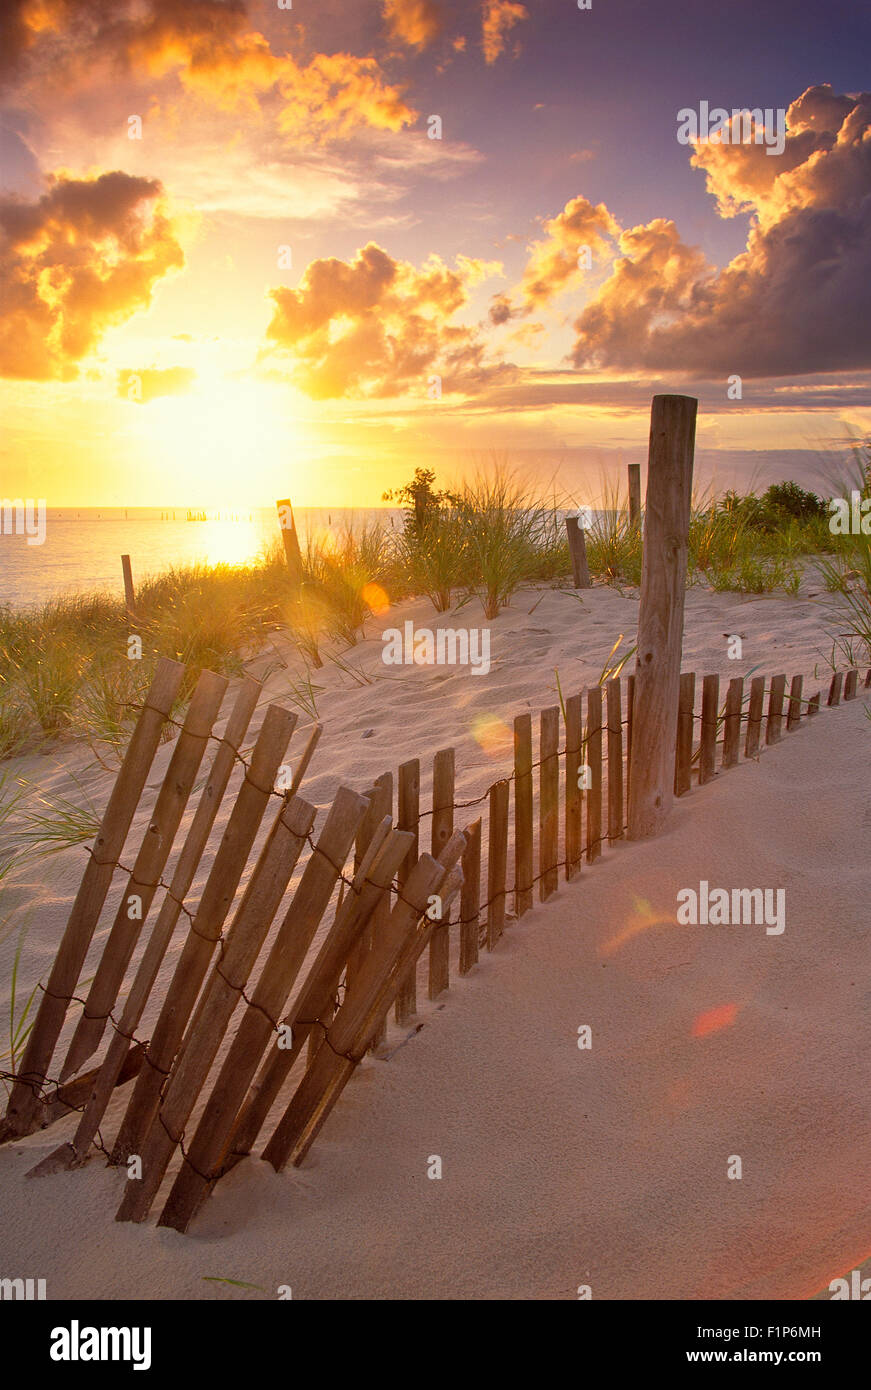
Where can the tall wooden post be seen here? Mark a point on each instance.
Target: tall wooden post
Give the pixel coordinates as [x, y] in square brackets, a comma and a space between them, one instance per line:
[290, 538]
[578, 552]
[634, 493]
[660, 618]
[129, 591]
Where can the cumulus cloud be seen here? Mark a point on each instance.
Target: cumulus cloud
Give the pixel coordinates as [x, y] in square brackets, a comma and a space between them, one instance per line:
[211, 49]
[146, 384]
[414, 22]
[556, 260]
[75, 262]
[497, 17]
[376, 327]
[797, 299]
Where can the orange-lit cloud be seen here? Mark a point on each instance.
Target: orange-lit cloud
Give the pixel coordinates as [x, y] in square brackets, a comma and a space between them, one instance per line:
[497, 17]
[82, 258]
[376, 326]
[796, 300]
[212, 51]
[146, 384]
[555, 260]
[415, 22]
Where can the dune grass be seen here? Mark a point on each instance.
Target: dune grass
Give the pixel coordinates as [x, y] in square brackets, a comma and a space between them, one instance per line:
[67, 668]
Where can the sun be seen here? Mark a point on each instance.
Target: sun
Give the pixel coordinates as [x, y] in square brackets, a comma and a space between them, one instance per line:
[225, 445]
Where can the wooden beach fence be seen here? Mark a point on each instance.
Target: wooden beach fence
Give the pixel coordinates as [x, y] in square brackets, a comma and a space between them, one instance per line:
[251, 1032]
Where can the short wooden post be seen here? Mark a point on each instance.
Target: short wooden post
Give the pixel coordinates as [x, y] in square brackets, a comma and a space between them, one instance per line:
[732, 721]
[661, 613]
[813, 704]
[773, 728]
[614, 706]
[578, 552]
[442, 829]
[548, 803]
[634, 471]
[129, 591]
[754, 716]
[523, 855]
[793, 713]
[408, 818]
[630, 697]
[291, 540]
[594, 761]
[835, 688]
[850, 683]
[497, 862]
[708, 744]
[574, 721]
[683, 761]
[470, 897]
[868, 678]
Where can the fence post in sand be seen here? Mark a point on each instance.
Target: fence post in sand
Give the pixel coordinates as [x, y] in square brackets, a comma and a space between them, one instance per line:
[793, 712]
[470, 897]
[850, 682]
[578, 552]
[754, 716]
[523, 849]
[442, 829]
[548, 802]
[574, 763]
[129, 591]
[813, 704]
[775, 709]
[683, 761]
[408, 818]
[614, 707]
[593, 759]
[292, 552]
[835, 688]
[708, 745]
[732, 721]
[497, 862]
[634, 471]
[661, 613]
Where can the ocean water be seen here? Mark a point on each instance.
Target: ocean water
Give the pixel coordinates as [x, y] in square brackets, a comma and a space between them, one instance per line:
[83, 546]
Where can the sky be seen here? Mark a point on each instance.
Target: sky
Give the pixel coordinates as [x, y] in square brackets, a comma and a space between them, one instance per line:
[255, 250]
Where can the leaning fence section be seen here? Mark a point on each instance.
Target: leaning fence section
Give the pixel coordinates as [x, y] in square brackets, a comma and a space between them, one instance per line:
[279, 990]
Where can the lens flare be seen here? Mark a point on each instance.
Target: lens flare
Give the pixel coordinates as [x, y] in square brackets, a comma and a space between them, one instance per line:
[375, 599]
[493, 735]
[712, 1020]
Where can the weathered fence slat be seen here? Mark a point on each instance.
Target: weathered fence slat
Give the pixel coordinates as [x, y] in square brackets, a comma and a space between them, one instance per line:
[497, 862]
[470, 898]
[774, 725]
[142, 883]
[548, 802]
[851, 681]
[574, 737]
[793, 712]
[25, 1098]
[442, 829]
[523, 843]
[684, 740]
[708, 742]
[408, 818]
[615, 759]
[205, 930]
[630, 697]
[593, 758]
[813, 704]
[835, 688]
[754, 716]
[732, 721]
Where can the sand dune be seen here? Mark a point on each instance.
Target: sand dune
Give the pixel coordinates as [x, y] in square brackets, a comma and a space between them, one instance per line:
[561, 1167]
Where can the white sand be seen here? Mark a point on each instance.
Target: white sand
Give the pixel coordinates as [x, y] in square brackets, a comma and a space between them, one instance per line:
[561, 1167]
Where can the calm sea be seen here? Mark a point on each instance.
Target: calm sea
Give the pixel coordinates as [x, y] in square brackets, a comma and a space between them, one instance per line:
[83, 547]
